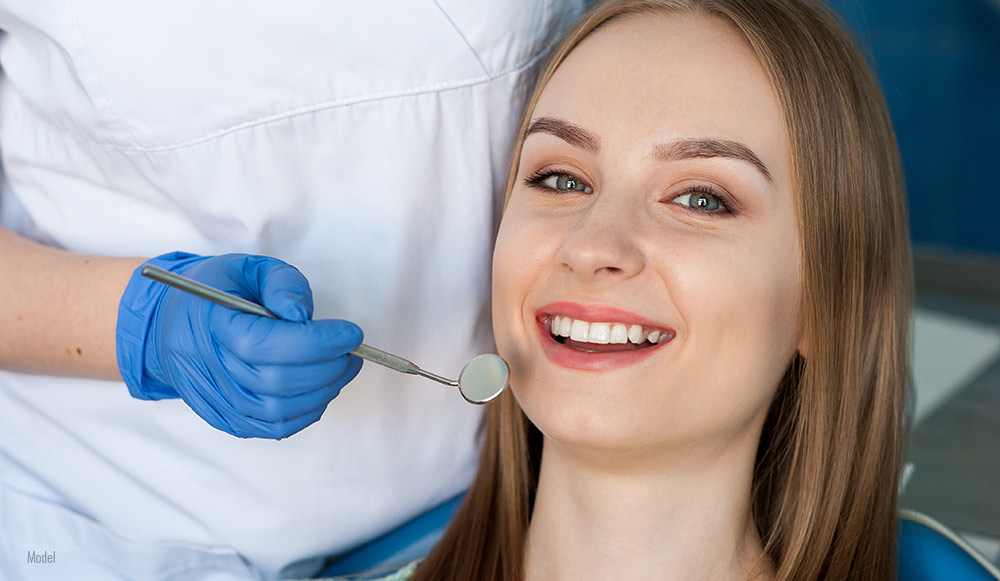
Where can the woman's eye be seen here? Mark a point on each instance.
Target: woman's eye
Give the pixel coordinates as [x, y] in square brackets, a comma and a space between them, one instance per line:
[553, 180]
[566, 183]
[700, 201]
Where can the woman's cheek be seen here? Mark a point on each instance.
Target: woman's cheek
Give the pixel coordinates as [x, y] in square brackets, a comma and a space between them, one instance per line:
[509, 294]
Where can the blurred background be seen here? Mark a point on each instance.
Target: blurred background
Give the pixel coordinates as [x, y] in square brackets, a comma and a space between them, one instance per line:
[939, 64]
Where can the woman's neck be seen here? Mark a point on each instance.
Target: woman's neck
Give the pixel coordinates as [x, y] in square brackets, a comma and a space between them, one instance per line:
[686, 516]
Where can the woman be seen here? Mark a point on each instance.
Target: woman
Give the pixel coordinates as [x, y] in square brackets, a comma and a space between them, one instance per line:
[701, 284]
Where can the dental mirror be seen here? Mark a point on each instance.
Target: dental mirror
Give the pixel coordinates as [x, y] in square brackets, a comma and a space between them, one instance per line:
[482, 379]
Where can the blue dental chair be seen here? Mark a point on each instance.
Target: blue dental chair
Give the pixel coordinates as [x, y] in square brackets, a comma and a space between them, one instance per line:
[928, 551]
[383, 555]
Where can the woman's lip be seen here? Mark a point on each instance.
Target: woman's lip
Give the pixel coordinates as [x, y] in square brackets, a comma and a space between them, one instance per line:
[597, 314]
[566, 356]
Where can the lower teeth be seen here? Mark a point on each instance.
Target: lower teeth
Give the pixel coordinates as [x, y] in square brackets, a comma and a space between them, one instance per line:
[578, 347]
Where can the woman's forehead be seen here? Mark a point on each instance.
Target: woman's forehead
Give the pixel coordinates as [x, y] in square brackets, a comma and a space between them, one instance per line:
[645, 79]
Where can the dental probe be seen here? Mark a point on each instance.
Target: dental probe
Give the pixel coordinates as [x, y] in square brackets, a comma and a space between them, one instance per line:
[482, 379]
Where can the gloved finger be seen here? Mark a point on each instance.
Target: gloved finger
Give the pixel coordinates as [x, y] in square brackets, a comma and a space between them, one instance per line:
[252, 278]
[211, 407]
[206, 386]
[286, 380]
[263, 341]
[277, 409]
[279, 287]
[248, 427]
[281, 430]
[222, 415]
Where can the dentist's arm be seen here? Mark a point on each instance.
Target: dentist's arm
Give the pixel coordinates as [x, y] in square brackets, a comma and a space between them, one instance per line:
[58, 309]
[246, 375]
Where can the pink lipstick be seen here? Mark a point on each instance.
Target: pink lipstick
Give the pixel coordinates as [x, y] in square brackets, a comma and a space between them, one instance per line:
[597, 338]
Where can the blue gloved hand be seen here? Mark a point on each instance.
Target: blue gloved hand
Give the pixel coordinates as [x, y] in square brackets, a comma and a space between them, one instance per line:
[247, 375]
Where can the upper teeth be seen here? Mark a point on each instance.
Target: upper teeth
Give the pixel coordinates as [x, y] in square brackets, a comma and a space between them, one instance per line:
[604, 333]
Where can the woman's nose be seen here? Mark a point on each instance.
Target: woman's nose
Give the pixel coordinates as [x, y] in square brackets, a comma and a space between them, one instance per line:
[604, 244]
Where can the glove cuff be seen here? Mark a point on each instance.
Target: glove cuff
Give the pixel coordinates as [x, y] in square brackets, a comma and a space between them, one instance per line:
[135, 313]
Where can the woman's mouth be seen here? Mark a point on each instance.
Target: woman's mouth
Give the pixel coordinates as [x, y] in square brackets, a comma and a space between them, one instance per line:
[603, 337]
[597, 338]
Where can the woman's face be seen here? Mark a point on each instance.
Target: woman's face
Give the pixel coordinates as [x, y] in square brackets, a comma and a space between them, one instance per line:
[652, 221]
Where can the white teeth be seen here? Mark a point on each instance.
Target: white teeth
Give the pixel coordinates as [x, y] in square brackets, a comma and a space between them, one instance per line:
[604, 333]
[600, 333]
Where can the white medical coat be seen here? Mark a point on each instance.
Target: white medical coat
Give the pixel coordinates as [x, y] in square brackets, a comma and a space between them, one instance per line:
[364, 142]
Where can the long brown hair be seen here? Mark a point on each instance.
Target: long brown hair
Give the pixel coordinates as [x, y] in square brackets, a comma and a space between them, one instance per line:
[825, 478]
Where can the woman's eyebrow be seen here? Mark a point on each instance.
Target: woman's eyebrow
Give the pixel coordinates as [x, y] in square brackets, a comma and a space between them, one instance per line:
[697, 148]
[689, 148]
[568, 132]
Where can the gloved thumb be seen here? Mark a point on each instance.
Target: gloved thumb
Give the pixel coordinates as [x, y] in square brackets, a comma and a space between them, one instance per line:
[283, 290]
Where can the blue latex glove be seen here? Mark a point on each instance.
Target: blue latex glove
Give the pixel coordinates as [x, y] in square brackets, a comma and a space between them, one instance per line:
[247, 375]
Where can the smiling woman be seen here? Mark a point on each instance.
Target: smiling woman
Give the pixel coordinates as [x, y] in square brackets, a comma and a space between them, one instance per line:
[701, 284]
